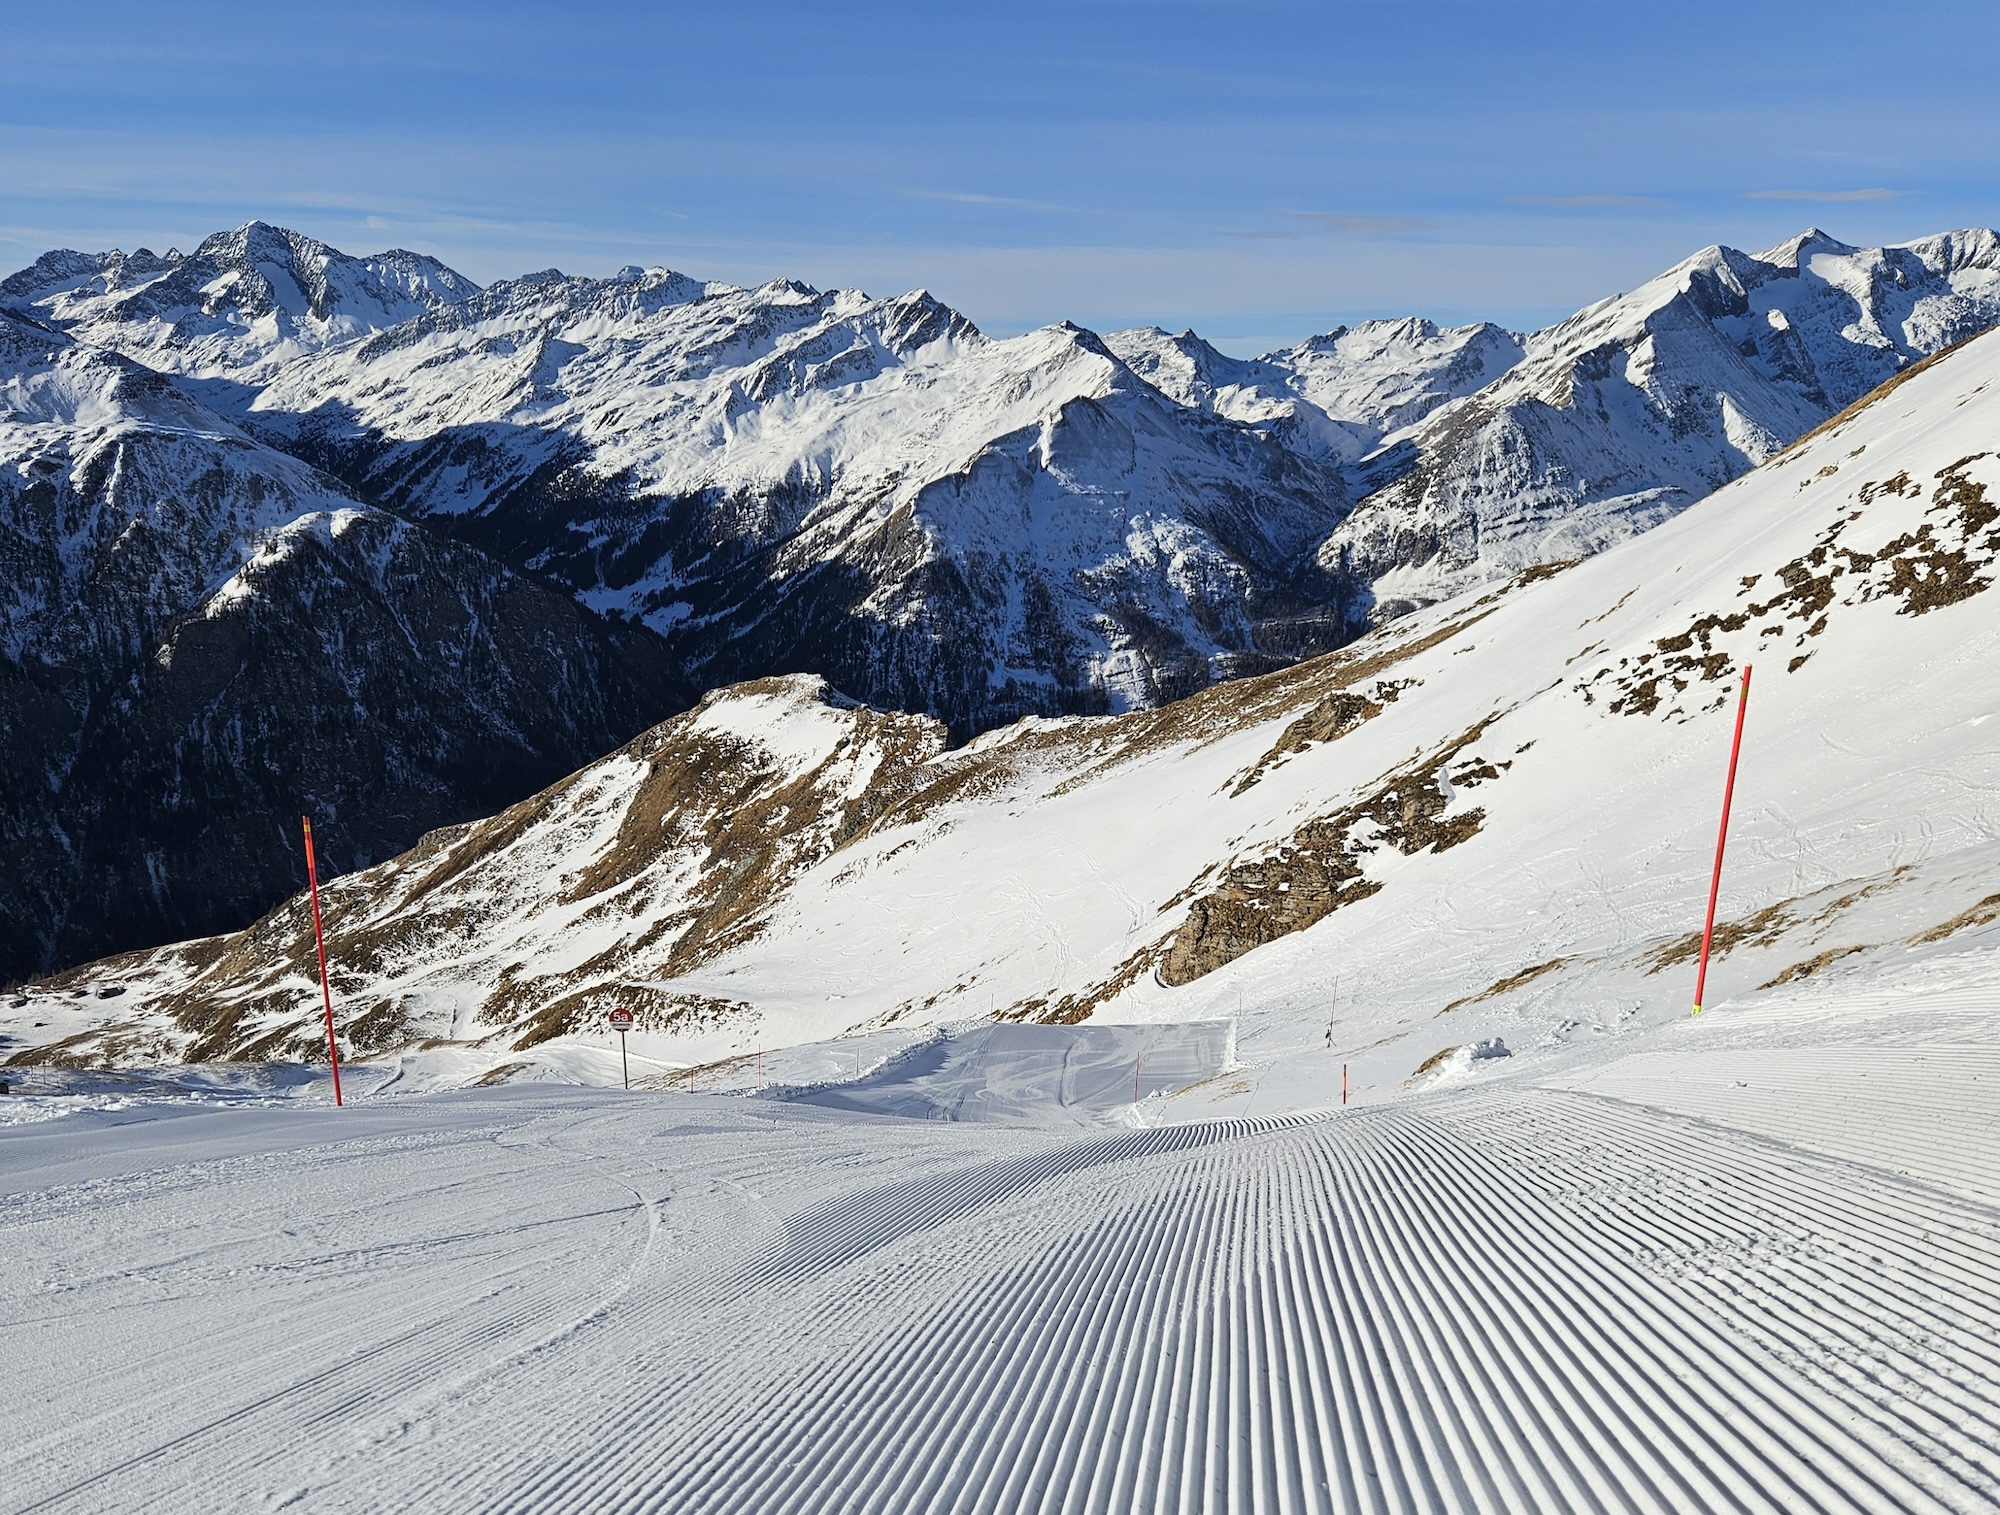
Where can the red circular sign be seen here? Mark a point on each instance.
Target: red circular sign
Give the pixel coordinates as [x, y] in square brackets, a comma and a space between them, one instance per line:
[621, 1020]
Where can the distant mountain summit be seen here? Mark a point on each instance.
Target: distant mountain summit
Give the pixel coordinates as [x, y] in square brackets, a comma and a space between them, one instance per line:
[1636, 407]
[1335, 396]
[238, 306]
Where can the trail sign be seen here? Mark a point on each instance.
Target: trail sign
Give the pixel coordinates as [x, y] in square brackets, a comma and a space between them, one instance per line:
[621, 1022]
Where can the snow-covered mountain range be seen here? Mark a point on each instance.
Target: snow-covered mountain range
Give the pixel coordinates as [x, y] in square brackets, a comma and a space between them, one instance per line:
[871, 490]
[782, 480]
[1490, 820]
[785, 479]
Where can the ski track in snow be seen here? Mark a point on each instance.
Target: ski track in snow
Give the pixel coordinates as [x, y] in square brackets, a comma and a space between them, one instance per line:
[1673, 1287]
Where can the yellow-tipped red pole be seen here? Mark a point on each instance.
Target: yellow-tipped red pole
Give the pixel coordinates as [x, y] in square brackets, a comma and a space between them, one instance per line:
[319, 937]
[1721, 838]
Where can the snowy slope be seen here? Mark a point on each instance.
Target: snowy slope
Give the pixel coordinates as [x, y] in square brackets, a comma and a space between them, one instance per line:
[1639, 405]
[1522, 1298]
[785, 480]
[237, 307]
[1486, 829]
[199, 633]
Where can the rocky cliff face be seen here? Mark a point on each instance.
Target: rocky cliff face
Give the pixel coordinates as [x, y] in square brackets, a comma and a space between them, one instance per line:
[201, 638]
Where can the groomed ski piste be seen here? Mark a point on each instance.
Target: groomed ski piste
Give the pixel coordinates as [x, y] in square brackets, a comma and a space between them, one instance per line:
[852, 1246]
[1753, 1264]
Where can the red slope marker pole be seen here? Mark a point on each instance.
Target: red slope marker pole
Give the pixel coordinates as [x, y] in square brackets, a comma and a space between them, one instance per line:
[319, 936]
[1721, 838]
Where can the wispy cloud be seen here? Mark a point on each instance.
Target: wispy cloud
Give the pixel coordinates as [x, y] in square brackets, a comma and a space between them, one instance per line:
[1316, 223]
[1588, 202]
[962, 197]
[1827, 194]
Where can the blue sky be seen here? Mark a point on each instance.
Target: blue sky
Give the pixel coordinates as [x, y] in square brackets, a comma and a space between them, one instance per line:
[1258, 171]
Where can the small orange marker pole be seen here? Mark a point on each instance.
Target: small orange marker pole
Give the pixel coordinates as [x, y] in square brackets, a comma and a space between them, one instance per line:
[319, 937]
[1722, 838]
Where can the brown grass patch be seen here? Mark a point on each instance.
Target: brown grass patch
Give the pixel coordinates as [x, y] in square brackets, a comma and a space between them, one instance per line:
[1072, 1008]
[1506, 985]
[1429, 1065]
[1759, 930]
[1811, 965]
[1982, 914]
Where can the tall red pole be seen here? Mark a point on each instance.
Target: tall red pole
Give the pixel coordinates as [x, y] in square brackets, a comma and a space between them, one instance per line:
[319, 936]
[1722, 837]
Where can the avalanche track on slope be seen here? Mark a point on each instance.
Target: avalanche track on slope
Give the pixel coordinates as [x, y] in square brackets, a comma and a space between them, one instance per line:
[1509, 1298]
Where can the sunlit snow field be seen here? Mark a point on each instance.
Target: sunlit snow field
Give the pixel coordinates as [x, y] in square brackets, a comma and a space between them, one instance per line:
[1750, 1261]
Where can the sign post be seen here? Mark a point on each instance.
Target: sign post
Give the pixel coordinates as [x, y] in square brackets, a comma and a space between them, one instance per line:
[621, 1022]
[319, 937]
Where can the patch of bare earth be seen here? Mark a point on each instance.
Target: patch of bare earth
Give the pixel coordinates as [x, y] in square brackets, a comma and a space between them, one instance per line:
[1938, 564]
[1506, 985]
[1811, 966]
[1982, 914]
[1320, 868]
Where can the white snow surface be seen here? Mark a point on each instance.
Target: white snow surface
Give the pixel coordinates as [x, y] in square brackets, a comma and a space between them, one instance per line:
[1746, 1263]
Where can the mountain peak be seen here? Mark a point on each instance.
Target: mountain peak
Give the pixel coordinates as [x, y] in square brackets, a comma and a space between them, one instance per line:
[1793, 252]
[243, 303]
